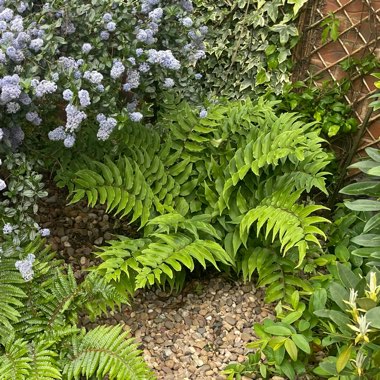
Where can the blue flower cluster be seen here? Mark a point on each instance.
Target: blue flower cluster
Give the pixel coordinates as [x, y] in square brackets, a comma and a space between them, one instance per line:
[117, 70]
[25, 267]
[164, 58]
[88, 71]
[3, 185]
[106, 126]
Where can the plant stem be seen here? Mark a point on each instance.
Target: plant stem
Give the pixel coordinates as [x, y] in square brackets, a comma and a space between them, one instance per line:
[347, 162]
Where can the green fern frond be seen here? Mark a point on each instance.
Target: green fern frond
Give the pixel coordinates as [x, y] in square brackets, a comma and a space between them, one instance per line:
[99, 296]
[17, 297]
[286, 220]
[15, 361]
[43, 363]
[157, 258]
[275, 273]
[11, 294]
[106, 351]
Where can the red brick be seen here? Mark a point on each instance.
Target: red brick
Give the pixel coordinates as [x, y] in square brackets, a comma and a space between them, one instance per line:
[330, 6]
[375, 129]
[332, 52]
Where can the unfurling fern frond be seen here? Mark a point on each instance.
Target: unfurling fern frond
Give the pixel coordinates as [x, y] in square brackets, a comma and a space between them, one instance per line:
[286, 220]
[106, 351]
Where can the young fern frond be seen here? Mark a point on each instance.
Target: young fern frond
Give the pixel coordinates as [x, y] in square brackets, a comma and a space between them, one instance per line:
[286, 220]
[106, 351]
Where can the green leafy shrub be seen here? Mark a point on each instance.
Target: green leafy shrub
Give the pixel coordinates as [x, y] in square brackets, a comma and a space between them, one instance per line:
[333, 331]
[39, 333]
[242, 169]
[369, 187]
[41, 300]
[248, 45]
[326, 105]
[21, 192]
[331, 334]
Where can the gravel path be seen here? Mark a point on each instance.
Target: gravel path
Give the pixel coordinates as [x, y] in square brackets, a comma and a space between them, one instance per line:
[196, 334]
[193, 335]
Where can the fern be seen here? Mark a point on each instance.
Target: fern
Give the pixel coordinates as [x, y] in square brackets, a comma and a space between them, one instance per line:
[243, 165]
[156, 259]
[44, 364]
[139, 186]
[43, 334]
[106, 351]
[15, 364]
[11, 295]
[276, 273]
[290, 222]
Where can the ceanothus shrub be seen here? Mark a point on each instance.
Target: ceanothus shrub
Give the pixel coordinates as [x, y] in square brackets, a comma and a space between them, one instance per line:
[68, 64]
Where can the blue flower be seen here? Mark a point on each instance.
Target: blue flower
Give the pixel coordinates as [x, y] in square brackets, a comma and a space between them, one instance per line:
[203, 113]
[144, 67]
[84, 98]
[117, 70]
[111, 26]
[33, 117]
[156, 14]
[44, 87]
[187, 5]
[7, 229]
[168, 83]
[93, 76]
[136, 116]
[86, 48]
[67, 95]
[13, 107]
[104, 35]
[106, 126]
[25, 267]
[44, 232]
[187, 22]
[69, 141]
[141, 35]
[57, 134]
[107, 17]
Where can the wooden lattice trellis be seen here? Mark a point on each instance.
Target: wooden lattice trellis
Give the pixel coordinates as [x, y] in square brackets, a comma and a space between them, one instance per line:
[359, 36]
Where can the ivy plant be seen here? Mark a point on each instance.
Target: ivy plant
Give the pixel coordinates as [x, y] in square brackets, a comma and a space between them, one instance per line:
[249, 45]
